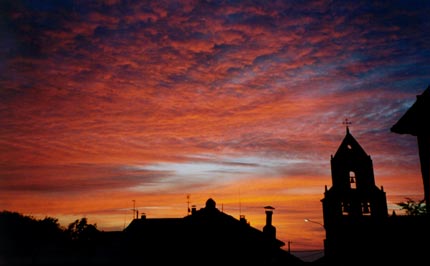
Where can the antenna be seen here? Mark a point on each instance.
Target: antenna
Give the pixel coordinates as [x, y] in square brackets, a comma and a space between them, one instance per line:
[188, 204]
[240, 205]
[134, 209]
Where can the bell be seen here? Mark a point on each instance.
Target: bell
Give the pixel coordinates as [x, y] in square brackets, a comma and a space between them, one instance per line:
[351, 179]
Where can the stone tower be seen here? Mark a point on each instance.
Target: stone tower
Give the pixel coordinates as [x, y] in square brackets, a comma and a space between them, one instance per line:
[354, 208]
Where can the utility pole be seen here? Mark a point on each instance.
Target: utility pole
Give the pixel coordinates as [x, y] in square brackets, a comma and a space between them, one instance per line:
[289, 246]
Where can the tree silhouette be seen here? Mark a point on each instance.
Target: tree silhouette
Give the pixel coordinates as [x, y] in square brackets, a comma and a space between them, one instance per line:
[22, 235]
[81, 230]
[412, 207]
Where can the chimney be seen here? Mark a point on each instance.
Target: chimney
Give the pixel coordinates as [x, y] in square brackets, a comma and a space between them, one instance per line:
[193, 209]
[269, 229]
[243, 220]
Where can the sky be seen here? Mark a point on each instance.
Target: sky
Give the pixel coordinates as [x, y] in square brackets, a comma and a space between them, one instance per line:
[160, 105]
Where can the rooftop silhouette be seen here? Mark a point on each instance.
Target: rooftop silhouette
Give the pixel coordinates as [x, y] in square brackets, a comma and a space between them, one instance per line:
[415, 122]
[204, 237]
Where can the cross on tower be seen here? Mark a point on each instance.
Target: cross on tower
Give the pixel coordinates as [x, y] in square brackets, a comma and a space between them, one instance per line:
[346, 122]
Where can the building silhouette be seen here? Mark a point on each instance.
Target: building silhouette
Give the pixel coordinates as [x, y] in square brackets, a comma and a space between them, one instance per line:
[358, 227]
[415, 122]
[354, 207]
[205, 237]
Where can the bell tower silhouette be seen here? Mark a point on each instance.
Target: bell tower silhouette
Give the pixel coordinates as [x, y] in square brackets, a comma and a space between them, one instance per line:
[354, 205]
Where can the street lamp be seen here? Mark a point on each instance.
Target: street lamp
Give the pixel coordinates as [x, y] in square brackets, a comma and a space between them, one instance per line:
[320, 224]
[310, 221]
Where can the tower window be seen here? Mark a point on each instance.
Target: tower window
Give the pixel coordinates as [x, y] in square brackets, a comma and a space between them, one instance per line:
[345, 208]
[352, 179]
[365, 208]
[349, 147]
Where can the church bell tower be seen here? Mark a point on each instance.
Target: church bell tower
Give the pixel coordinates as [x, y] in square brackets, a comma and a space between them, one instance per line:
[354, 206]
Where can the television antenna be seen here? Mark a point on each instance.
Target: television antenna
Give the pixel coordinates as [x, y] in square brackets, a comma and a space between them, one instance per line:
[188, 204]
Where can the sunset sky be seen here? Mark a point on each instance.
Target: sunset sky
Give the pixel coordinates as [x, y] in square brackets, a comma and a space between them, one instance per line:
[103, 103]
